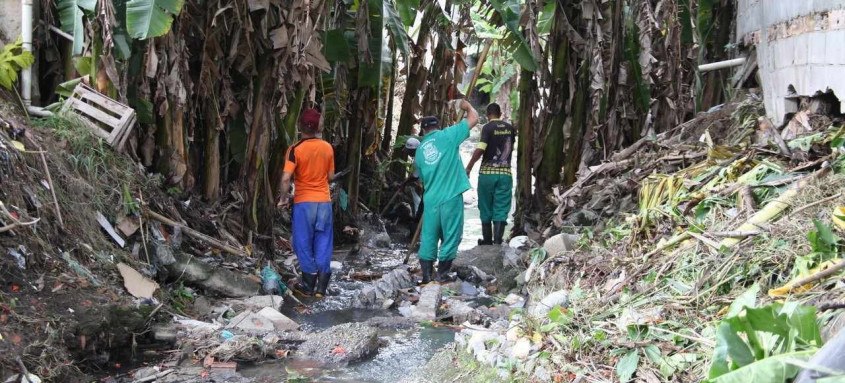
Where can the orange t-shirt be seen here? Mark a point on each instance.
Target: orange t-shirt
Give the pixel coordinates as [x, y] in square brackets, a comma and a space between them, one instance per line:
[311, 161]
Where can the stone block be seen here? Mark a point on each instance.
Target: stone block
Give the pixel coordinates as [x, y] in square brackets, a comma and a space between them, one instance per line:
[817, 47]
[251, 322]
[279, 320]
[426, 308]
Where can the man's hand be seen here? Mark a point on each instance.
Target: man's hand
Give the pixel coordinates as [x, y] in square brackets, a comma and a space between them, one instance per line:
[284, 203]
[472, 115]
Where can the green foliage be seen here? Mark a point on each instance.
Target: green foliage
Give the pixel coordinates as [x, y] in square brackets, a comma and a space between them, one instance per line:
[336, 47]
[151, 18]
[70, 19]
[407, 10]
[754, 344]
[513, 41]
[396, 27]
[12, 59]
[627, 365]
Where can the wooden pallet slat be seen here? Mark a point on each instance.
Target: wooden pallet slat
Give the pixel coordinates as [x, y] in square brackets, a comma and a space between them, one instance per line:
[107, 118]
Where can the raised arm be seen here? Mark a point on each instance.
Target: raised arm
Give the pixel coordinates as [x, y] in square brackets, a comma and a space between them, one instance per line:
[472, 115]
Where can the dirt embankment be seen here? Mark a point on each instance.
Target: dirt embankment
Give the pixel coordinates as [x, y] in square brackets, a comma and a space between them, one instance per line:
[64, 312]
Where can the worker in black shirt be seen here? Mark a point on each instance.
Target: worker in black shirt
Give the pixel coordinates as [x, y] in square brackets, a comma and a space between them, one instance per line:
[495, 182]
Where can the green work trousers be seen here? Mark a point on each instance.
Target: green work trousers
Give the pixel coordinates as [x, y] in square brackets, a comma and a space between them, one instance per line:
[495, 192]
[442, 223]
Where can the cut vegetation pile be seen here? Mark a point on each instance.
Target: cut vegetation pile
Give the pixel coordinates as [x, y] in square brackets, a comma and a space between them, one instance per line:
[714, 269]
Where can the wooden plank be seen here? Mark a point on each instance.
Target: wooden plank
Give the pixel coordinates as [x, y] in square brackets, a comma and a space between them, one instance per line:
[126, 134]
[99, 99]
[96, 114]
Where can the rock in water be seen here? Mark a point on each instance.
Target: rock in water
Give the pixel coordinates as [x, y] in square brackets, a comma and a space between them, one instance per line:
[541, 309]
[341, 344]
[426, 308]
[386, 288]
[560, 243]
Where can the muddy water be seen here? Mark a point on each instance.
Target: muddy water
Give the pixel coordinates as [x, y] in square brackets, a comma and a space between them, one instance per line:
[403, 351]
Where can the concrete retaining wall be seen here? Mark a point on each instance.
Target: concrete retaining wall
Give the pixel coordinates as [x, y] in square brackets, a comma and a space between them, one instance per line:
[10, 20]
[800, 49]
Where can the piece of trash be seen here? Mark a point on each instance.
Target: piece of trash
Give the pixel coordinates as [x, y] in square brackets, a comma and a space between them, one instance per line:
[80, 270]
[19, 258]
[137, 285]
[128, 225]
[271, 281]
[20, 378]
[45, 184]
[226, 335]
[104, 223]
[70, 310]
[839, 217]
[18, 145]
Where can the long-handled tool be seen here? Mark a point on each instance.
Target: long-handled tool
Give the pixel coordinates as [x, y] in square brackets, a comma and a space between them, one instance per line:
[413, 242]
[390, 202]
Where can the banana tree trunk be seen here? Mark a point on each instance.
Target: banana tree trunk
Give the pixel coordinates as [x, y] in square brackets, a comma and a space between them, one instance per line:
[524, 166]
[259, 200]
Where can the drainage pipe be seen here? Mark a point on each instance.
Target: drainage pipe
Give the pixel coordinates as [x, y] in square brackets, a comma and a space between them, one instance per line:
[26, 35]
[26, 73]
[721, 64]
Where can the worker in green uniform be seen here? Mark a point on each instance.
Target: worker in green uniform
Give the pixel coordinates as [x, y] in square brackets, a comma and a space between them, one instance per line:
[444, 181]
[495, 183]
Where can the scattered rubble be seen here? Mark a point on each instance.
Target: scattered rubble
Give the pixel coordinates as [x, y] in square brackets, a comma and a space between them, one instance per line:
[341, 344]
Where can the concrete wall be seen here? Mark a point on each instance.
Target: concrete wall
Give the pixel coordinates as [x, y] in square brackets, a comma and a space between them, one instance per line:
[10, 20]
[800, 47]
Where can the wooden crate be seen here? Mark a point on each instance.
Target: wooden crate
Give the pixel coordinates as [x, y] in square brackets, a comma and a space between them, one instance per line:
[107, 118]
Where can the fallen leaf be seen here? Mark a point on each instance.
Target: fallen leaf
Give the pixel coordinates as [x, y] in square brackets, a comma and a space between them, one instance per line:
[19, 145]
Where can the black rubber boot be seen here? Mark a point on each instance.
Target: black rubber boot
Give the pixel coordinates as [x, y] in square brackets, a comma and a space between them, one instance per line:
[307, 284]
[486, 234]
[443, 268]
[427, 269]
[322, 284]
[498, 232]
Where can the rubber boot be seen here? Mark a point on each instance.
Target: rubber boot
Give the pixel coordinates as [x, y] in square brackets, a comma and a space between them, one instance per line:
[322, 284]
[498, 232]
[443, 268]
[486, 234]
[307, 284]
[427, 269]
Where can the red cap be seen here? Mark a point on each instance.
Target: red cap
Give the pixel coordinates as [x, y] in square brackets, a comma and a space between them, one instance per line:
[310, 119]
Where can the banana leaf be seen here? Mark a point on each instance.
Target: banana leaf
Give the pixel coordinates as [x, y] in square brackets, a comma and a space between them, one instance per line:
[151, 18]
[70, 19]
[396, 27]
[514, 42]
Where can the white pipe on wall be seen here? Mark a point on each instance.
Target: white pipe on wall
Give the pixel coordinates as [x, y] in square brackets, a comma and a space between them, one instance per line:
[26, 36]
[721, 64]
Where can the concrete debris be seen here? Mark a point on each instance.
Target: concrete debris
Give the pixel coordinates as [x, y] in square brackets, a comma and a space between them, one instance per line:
[560, 243]
[541, 309]
[279, 320]
[519, 242]
[251, 323]
[215, 280]
[341, 344]
[461, 312]
[429, 303]
[385, 289]
[515, 301]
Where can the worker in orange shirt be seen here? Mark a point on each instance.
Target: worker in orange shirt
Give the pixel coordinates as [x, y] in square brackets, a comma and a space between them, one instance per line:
[310, 162]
